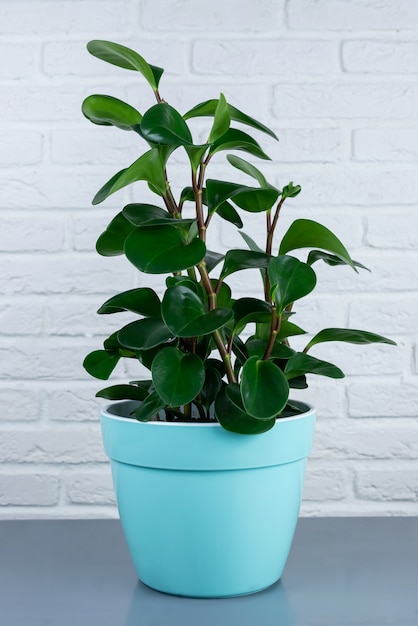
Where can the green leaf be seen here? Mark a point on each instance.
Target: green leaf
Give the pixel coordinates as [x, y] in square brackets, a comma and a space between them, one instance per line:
[248, 310]
[299, 382]
[236, 260]
[251, 243]
[140, 214]
[211, 387]
[208, 108]
[309, 234]
[348, 336]
[264, 388]
[112, 241]
[144, 334]
[185, 315]
[162, 124]
[228, 213]
[212, 259]
[122, 56]
[148, 167]
[150, 215]
[235, 139]
[247, 168]
[195, 154]
[231, 415]
[149, 408]
[163, 249]
[256, 199]
[291, 191]
[142, 300]
[101, 363]
[146, 357]
[218, 191]
[186, 281]
[290, 280]
[224, 294]
[177, 377]
[289, 329]
[221, 121]
[257, 347]
[300, 364]
[109, 111]
[330, 259]
[252, 199]
[123, 392]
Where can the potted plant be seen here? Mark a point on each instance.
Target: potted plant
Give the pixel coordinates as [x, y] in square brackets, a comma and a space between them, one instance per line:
[208, 453]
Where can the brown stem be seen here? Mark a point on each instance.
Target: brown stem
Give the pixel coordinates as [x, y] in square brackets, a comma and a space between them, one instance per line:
[276, 321]
[225, 355]
[270, 227]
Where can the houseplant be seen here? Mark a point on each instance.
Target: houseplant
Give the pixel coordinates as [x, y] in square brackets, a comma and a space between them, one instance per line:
[211, 383]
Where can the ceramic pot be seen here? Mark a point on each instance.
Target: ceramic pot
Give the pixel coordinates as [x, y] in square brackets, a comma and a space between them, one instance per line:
[206, 512]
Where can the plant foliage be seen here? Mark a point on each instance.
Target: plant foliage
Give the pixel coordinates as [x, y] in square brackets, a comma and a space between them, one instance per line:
[203, 363]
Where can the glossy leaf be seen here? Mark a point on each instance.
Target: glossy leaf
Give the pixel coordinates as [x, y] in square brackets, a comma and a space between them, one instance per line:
[112, 241]
[236, 260]
[289, 329]
[146, 357]
[148, 167]
[211, 387]
[309, 234]
[123, 392]
[257, 347]
[291, 191]
[185, 315]
[196, 154]
[218, 191]
[101, 363]
[251, 243]
[119, 55]
[264, 388]
[221, 120]
[224, 294]
[248, 310]
[149, 408]
[140, 214]
[150, 215]
[208, 108]
[177, 377]
[330, 259]
[142, 300]
[144, 334]
[348, 336]
[162, 249]
[232, 416]
[230, 214]
[186, 281]
[256, 199]
[300, 364]
[247, 168]
[290, 280]
[108, 111]
[235, 139]
[212, 259]
[162, 124]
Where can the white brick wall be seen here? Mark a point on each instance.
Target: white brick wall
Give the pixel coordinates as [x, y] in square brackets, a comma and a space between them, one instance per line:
[337, 80]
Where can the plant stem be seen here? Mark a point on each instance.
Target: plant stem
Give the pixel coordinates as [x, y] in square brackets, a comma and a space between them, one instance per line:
[276, 321]
[270, 227]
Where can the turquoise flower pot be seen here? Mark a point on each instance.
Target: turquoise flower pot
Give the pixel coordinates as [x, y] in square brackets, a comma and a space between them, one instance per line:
[207, 513]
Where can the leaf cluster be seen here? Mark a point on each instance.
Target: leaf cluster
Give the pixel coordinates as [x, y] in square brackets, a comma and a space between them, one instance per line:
[194, 340]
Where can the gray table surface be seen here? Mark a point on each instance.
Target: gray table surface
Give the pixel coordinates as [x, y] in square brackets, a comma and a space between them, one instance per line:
[341, 571]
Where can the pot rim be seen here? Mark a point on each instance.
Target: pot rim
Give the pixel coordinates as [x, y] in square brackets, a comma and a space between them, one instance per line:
[107, 412]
